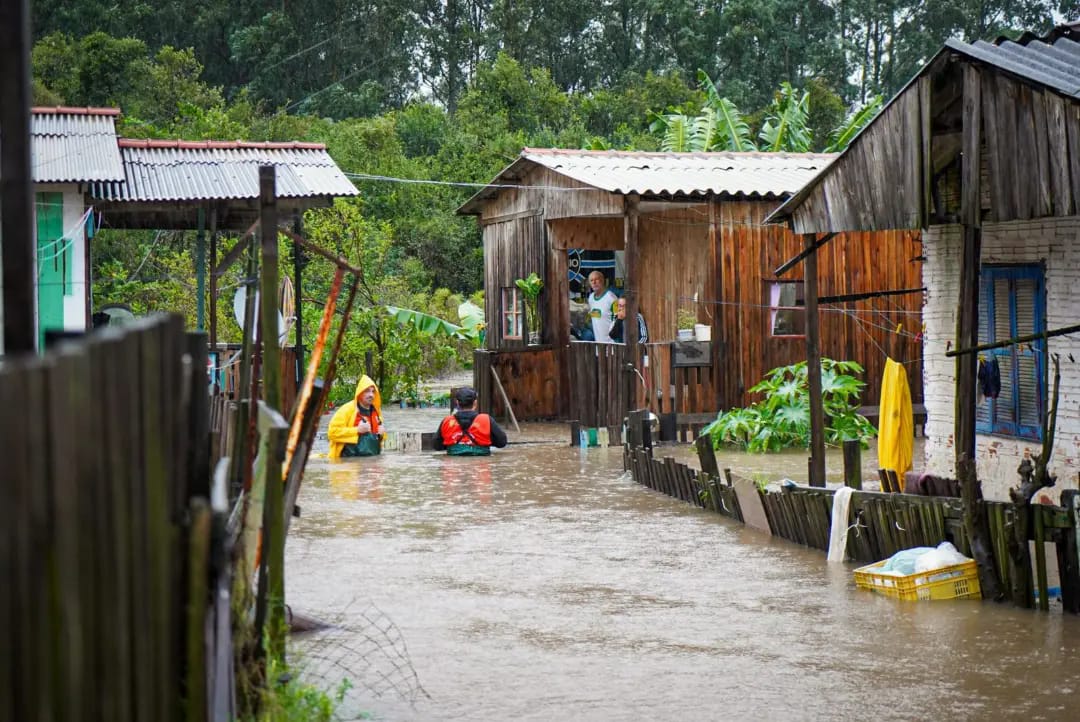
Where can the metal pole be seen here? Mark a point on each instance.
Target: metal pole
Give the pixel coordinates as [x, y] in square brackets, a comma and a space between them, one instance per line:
[16, 194]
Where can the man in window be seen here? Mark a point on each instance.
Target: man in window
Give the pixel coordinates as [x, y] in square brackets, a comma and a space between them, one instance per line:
[601, 307]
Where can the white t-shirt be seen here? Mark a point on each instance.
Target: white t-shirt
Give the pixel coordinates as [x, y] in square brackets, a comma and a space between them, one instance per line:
[602, 314]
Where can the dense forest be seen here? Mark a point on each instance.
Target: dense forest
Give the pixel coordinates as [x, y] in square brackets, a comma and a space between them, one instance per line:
[450, 91]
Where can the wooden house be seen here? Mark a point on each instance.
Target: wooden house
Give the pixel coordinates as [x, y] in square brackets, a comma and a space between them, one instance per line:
[982, 150]
[70, 149]
[681, 235]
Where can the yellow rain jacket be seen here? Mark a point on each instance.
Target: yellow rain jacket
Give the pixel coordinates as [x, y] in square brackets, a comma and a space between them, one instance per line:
[342, 429]
[896, 431]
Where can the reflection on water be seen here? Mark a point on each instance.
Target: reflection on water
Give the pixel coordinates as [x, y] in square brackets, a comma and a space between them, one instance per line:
[541, 583]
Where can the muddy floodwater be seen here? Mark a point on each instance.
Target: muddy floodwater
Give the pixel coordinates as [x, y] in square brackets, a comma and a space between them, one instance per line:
[542, 583]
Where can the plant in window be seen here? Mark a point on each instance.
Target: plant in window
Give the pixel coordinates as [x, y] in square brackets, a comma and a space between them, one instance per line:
[530, 291]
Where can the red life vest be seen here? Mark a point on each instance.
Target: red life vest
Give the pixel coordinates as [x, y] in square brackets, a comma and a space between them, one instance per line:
[371, 415]
[478, 434]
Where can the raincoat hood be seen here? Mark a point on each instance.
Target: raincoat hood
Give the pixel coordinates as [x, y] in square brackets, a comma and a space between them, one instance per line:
[364, 383]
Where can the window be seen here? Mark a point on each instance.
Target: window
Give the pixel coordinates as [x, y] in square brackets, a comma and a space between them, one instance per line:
[1012, 302]
[787, 308]
[512, 314]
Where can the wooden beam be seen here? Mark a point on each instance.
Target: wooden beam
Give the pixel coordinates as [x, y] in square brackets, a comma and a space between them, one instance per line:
[804, 253]
[813, 362]
[869, 294]
[512, 216]
[970, 196]
[633, 289]
[1064, 331]
[233, 255]
[319, 251]
[17, 234]
[967, 318]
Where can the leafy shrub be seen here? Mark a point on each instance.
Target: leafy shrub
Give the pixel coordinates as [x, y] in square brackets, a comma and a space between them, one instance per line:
[782, 419]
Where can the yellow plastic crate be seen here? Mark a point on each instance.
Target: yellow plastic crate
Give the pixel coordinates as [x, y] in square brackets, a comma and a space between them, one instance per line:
[959, 581]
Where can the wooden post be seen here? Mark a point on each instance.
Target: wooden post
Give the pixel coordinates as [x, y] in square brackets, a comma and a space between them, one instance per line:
[1069, 553]
[213, 279]
[813, 367]
[633, 276]
[200, 271]
[967, 335]
[853, 464]
[17, 236]
[274, 520]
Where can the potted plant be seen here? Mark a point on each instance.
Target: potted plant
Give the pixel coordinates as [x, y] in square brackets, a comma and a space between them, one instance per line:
[685, 320]
[530, 291]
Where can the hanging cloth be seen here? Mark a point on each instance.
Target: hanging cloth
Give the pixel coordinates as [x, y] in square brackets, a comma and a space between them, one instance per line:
[896, 432]
[990, 378]
[838, 530]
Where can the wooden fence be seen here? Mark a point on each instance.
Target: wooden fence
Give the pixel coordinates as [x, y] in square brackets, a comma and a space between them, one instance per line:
[881, 523]
[597, 383]
[107, 527]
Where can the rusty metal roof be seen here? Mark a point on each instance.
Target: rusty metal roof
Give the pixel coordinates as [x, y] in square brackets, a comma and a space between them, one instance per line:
[1052, 61]
[667, 175]
[171, 170]
[74, 145]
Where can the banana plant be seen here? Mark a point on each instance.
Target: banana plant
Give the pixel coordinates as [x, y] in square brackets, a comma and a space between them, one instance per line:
[731, 131]
[844, 133]
[430, 325]
[787, 126]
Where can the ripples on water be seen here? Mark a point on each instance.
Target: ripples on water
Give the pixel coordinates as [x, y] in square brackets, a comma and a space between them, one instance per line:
[542, 583]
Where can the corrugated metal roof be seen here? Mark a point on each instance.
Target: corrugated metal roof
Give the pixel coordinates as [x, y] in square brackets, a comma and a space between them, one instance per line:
[220, 170]
[668, 175]
[74, 145]
[1052, 61]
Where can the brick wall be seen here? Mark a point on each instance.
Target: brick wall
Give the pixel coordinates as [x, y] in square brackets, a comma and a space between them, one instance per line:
[1056, 242]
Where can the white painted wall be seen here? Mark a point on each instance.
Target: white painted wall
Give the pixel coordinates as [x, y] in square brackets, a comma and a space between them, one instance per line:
[1055, 242]
[77, 298]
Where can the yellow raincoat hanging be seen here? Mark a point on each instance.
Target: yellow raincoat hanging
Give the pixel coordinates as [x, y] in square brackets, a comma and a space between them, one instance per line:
[896, 431]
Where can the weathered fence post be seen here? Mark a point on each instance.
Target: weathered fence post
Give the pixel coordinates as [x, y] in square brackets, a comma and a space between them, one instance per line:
[853, 464]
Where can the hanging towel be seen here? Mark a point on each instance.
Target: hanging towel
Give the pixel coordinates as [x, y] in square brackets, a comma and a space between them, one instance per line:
[839, 526]
[990, 378]
[896, 425]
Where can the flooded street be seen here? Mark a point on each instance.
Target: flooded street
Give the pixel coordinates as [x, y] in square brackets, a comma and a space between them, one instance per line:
[543, 583]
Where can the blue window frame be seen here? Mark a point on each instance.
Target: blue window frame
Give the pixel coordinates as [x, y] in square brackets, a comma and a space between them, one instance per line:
[1013, 303]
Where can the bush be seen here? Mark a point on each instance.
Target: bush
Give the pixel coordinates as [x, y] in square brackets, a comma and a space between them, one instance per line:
[782, 419]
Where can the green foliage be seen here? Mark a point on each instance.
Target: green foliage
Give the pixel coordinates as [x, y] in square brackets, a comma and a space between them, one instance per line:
[785, 127]
[296, 701]
[782, 419]
[853, 125]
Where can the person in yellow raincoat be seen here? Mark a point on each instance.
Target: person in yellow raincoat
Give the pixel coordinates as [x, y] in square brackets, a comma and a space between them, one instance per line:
[356, 428]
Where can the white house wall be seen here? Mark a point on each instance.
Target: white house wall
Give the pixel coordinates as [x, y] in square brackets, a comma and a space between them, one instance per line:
[1055, 242]
[75, 302]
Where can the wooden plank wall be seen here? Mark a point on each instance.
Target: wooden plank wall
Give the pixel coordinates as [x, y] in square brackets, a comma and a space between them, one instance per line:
[674, 251]
[531, 381]
[512, 249]
[1032, 141]
[98, 464]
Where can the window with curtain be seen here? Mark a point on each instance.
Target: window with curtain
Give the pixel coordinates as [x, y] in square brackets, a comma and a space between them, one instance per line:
[787, 308]
[512, 313]
[1012, 303]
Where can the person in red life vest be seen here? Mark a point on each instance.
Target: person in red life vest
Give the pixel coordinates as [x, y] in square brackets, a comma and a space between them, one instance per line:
[356, 428]
[466, 432]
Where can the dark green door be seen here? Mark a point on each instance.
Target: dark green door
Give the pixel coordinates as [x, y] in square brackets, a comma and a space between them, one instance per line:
[54, 263]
